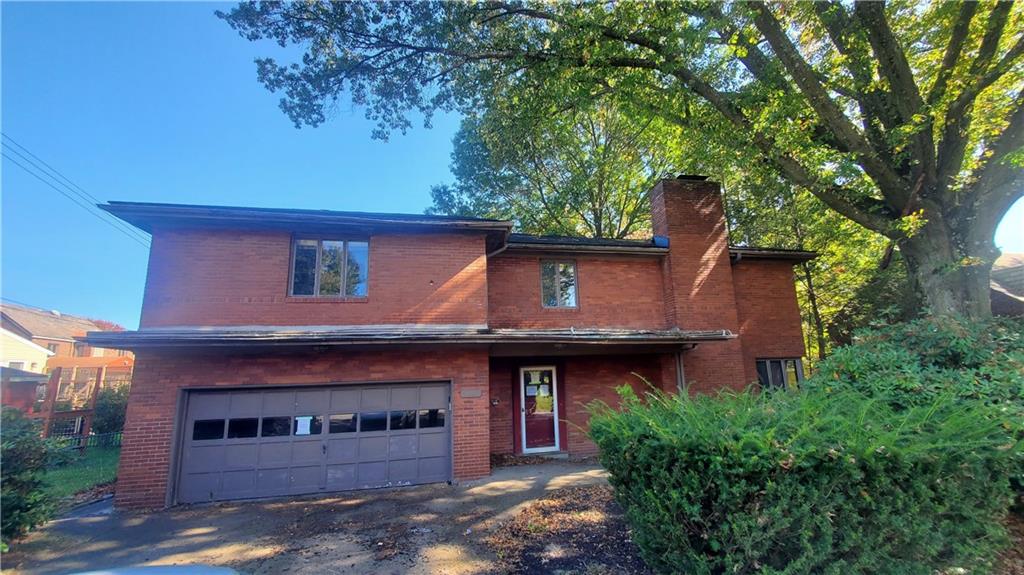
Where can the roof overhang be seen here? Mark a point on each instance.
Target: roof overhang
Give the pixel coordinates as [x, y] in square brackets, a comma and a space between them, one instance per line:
[377, 335]
[149, 216]
[740, 253]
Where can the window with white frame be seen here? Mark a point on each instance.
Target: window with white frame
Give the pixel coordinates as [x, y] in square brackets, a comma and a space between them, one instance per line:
[329, 268]
[558, 283]
[785, 373]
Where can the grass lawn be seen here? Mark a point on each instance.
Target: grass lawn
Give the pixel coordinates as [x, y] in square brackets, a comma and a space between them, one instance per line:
[97, 466]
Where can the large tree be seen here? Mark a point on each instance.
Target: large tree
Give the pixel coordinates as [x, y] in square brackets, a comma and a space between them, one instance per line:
[579, 172]
[905, 118]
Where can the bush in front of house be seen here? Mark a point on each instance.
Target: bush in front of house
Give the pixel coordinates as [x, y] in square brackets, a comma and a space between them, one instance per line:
[913, 363]
[807, 482]
[111, 406]
[23, 460]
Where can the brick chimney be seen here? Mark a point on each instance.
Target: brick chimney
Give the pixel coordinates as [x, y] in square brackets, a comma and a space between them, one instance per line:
[698, 277]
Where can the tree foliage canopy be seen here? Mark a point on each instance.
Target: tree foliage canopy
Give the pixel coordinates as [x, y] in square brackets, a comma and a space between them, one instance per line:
[903, 117]
[578, 173]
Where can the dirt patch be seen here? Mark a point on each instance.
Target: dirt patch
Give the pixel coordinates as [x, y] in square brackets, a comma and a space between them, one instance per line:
[1011, 560]
[509, 460]
[90, 495]
[579, 530]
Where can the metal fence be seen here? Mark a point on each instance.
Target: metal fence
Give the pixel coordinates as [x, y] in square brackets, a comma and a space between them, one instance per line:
[91, 440]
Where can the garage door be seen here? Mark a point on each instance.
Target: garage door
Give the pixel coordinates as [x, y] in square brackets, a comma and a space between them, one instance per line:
[261, 443]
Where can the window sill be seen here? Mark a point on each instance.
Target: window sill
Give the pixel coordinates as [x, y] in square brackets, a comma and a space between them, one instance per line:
[559, 308]
[325, 299]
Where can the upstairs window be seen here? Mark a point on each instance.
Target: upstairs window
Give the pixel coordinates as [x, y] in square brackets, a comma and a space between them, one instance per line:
[558, 283]
[780, 373]
[329, 268]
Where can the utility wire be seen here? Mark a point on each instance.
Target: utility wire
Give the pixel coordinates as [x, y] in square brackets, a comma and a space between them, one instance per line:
[84, 206]
[71, 186]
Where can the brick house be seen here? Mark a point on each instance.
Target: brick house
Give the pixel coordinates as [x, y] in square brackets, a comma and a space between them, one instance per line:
[298, 351]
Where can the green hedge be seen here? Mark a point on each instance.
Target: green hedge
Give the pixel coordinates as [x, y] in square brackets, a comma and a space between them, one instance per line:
[808, 482]
[913, 363]
[24, 455]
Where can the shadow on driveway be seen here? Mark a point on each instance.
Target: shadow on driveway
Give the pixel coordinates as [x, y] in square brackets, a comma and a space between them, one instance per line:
[429, 529]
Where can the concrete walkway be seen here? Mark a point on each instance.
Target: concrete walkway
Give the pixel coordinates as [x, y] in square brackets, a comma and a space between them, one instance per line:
[429, 529]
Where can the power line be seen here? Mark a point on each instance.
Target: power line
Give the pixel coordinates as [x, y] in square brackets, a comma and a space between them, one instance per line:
[68, 184]
[80, 204]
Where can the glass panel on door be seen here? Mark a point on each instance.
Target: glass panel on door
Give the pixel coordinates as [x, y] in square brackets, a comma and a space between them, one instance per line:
[539, 409]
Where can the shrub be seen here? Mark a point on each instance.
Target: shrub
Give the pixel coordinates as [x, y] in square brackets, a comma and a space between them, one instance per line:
[23, 460]
[111, 405]
[808, 482]
[912, 363]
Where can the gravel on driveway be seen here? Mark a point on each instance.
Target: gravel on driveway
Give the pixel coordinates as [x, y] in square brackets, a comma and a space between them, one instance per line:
[437, 529]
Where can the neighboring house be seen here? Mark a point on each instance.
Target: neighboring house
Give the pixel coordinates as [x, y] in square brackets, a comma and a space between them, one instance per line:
[53, 330]
[18, 351]
[84, 369]
[19, 387]
[284, 351]
[1007, 285]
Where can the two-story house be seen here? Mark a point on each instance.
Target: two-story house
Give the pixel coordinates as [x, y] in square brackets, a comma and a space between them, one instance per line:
[290, 351]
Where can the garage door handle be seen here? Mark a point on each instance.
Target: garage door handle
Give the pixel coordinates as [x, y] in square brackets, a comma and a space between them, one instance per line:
[323, 449]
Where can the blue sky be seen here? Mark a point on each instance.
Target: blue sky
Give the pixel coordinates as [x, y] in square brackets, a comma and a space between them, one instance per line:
[159, 102]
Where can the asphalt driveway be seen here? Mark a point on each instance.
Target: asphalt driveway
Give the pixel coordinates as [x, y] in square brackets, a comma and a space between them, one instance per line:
[429, 529]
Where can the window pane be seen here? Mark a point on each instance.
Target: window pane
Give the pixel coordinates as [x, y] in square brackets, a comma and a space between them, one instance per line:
[792, 380]
[243, 427]
[276, 426]
[356, 268]
[431, 418]
[373, 421]
[308, 425]
[204, 429]
[330, 267]
[343, 423]
[778, 378]
[403, 420]
[304, 267]
[762, 373]
[549, 284]
[567, 285]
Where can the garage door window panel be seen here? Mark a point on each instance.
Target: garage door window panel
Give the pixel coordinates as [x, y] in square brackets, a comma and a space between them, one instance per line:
[431, 418]
[373, 421]
[308, 425]
[207, 429]
[344, 423]
[243, 427]
[403, 420]
[276, 426]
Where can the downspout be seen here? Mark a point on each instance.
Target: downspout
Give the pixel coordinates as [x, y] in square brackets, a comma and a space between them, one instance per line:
[680, 374]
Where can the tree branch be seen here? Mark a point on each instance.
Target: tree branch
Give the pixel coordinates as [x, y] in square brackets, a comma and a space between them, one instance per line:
[909, 103]
[957, 39]
[893, 188]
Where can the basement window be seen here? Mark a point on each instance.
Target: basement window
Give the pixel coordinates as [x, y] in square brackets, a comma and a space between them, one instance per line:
[558, 283]
[329, 268]
[780, 373]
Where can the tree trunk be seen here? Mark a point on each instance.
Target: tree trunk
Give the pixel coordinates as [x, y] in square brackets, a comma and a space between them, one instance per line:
[812, 299]
[950, 269]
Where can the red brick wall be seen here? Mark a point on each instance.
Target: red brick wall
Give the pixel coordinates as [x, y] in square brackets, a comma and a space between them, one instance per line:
[593, 377]
[205, 277]
[582, 379]
[502, 383]
[700, 295]
[605, 284]
[768, 312]
[145, 467]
